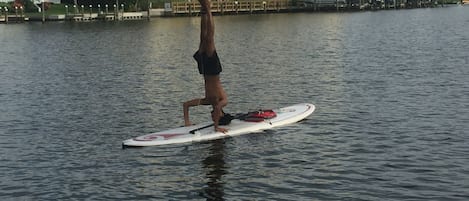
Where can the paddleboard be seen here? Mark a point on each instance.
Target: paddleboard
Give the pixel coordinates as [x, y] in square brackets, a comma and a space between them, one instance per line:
[242, 124]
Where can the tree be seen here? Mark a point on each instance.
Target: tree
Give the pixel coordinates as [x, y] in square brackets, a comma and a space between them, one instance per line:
[28, 5]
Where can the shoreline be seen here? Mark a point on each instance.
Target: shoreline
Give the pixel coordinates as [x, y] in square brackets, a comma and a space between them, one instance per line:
[184, 9]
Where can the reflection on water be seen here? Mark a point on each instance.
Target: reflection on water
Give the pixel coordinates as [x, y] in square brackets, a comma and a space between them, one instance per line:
[214, 166]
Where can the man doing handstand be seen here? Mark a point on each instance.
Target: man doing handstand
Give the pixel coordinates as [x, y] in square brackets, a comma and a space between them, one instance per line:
[209, 66]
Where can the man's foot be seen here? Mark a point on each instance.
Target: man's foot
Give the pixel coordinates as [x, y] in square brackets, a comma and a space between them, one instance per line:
[205, 5]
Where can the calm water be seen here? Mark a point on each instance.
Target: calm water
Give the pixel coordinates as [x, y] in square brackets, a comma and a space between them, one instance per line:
[391, 90]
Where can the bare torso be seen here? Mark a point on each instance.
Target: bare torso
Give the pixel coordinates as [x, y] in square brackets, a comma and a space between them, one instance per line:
[213, 88]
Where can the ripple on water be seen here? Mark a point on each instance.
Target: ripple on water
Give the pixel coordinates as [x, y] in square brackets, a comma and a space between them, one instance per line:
[391, 117]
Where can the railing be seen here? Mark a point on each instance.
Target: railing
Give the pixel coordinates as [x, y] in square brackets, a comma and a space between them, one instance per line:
[231, 6]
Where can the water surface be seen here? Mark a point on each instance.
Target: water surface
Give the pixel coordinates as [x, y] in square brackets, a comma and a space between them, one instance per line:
[391, 90]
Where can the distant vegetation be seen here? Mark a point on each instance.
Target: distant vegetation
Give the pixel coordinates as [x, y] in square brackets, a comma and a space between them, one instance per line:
[129, 5]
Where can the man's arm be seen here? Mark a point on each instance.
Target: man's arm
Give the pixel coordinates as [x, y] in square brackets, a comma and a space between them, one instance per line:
[217, 113]
[186, 105]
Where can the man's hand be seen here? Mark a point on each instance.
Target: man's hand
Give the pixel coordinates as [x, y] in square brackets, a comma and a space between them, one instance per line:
[221, 130]
[216, 114]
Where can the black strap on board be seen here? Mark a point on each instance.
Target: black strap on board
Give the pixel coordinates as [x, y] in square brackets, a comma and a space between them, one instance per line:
[198, 129]
[226, 119]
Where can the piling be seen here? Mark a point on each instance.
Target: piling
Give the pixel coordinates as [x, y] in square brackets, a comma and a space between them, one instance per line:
[6, 15]
[43, 13]
[148, 12]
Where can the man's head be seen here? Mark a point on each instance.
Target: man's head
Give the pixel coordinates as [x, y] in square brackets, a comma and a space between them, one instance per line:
[221, 114]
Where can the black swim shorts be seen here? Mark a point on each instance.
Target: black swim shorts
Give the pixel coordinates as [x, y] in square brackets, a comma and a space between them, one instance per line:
[208, 65]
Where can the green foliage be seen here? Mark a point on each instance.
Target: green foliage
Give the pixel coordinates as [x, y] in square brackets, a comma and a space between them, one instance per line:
[2, 7]
[56, 9]
[139, 5]
[130, 5]
[159, 3]
[29, 6]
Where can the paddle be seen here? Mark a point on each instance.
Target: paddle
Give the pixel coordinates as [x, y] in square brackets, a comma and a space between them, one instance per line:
[198, 129]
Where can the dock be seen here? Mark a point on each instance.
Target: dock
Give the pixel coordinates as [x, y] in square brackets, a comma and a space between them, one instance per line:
[218, 7]
[13, 19]
[106, 16]
[231, 7]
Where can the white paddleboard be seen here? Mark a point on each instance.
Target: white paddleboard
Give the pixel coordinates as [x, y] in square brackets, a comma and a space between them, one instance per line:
[205, 131]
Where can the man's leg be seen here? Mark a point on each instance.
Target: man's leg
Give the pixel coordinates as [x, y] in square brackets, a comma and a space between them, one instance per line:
[207, 29]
